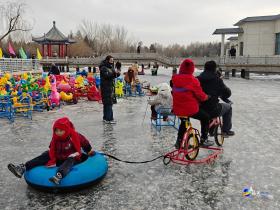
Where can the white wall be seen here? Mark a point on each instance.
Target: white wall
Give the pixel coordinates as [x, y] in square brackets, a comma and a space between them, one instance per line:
[277, 26]
[258, 38]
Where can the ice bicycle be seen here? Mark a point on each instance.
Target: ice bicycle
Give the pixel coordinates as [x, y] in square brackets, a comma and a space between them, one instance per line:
[190, 145]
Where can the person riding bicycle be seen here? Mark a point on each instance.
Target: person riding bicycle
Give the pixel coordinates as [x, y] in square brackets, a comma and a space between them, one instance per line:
[213, 85]
[187, 94]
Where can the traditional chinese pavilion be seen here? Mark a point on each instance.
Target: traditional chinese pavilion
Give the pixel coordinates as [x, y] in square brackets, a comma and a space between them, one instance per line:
[54, 38]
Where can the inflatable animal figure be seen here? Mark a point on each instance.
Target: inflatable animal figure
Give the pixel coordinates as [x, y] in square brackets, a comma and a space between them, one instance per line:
[97, 80]
[93, 94]
[119, 88]
[24, 76]
[66, 97]
[79, 82]
[3, 81]
[8, 76]
[54, 97]
[47, 85]
[64, 86]
[3, 91]
[72, 81]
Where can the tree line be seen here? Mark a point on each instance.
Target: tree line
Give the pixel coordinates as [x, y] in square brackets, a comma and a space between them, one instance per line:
[92, 38]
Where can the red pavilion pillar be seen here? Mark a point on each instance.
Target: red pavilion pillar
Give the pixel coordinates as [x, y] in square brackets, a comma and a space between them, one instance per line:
[62, 51]
[59, 50]
[66, 50]
[43, 50]
[49, 47]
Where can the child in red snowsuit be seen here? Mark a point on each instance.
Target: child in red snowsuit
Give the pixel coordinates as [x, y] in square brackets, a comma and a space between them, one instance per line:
[64, 151]
[187, 95]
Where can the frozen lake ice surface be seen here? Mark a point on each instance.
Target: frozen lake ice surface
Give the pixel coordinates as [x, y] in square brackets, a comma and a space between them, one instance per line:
[250, 158]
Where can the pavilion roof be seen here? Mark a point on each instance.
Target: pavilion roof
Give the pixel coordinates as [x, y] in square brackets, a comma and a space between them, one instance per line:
[54, 36]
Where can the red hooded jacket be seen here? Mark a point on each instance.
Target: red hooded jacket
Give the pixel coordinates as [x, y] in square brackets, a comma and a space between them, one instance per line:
[187, 92]
[63, 146]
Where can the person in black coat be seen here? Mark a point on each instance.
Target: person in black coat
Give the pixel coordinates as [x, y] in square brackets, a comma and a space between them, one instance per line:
[107, 76]
[54, 70]
[214, 86]
[232, 52]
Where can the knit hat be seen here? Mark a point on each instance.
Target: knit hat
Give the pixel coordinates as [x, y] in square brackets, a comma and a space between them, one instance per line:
[186, 67]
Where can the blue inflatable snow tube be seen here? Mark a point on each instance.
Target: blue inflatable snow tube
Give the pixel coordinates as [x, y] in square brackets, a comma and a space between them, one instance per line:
[82, 175]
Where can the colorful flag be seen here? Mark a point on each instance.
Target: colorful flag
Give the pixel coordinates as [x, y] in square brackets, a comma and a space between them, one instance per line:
[1, 53]
[11, 50]
[39, 56]
[22, 53]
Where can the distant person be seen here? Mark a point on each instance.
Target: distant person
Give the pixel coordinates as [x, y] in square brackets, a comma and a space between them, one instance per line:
[107, 76]
[54, 70]
[118, 65]
[142, 67]
[94, 69]
[138, 49]
[232, 52]
[213, 85]
[78, 72]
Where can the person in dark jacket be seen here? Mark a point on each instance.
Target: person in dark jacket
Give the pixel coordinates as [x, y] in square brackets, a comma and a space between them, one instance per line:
[64, 151]
[54, 70]
[107, 76]
[118, 65]
[214, 86]
[232, 52]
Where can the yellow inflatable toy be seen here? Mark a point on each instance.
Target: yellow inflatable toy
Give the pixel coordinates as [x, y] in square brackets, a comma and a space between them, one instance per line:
[47, 86]
[119, 89]
[79, 82]
[66, 97]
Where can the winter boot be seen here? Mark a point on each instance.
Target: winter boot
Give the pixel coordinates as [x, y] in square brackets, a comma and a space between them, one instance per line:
[56, 179]
[17, 170]
[205, 142]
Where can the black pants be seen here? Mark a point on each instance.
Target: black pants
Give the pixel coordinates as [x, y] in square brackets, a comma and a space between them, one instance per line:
[64, 166]
[108, 112]
[204, 121]
[154, 113]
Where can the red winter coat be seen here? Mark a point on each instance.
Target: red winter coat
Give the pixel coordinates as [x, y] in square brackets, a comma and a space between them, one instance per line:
[187, 92]
[65, 148]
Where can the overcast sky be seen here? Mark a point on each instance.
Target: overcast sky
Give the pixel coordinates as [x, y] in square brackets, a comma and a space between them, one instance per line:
[162, 21]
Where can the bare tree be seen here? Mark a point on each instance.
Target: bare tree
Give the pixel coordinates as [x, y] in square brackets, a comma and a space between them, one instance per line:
[13, 20]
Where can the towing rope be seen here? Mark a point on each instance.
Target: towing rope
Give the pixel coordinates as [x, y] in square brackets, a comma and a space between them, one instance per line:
[132, 162]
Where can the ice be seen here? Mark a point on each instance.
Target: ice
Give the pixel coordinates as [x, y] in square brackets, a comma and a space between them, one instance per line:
[251, 157]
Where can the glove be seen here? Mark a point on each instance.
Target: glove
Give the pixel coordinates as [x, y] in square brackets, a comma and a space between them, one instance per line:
[74, 155]
[91, 153]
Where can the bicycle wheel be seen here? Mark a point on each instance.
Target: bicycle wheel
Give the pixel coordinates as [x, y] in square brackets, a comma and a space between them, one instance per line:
[191, 146]
[218, 135]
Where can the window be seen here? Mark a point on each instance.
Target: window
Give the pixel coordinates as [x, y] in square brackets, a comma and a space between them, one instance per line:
[241, 45]
[277, 44]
